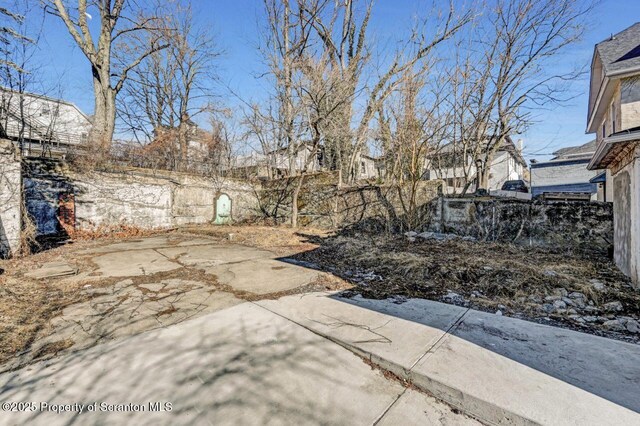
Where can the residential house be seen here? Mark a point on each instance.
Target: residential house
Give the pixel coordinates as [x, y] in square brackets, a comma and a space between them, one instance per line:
[450, 165]
[614, 116]
[369, 167]
[567, 173]
[42, 125]
[206, 153]
[277, 161]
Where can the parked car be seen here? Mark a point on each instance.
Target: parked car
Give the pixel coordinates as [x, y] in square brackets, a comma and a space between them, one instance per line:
[515, 185]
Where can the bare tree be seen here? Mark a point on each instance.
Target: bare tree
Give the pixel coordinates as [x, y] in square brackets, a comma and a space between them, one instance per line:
[118, 19]
[170, 88]
[344, 37]
[508, 71]
[20, 73]
[14, 43]
[411, 126]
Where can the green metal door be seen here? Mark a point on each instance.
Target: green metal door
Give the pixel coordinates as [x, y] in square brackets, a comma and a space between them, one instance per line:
[223, 210]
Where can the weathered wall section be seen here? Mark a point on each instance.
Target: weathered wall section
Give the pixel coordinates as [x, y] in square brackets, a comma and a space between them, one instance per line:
[133, 197]
[323, 203]
[626, 191]
[10, 199]
[571, 225]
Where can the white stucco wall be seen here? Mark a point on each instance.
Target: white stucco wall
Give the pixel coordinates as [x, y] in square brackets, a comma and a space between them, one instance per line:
[134, 198]
[626, 210]
[10, 200]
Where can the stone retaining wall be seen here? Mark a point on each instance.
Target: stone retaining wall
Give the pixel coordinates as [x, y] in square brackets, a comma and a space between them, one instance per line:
[563, 224]
[138, 198]
[323, 203]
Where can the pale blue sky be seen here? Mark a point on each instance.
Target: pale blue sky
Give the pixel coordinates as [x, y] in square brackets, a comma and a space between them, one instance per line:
[235, 23]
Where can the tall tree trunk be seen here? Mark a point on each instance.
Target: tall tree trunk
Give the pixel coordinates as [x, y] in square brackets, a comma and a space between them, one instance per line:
[183, 141]
[104, 115]
[294, 201]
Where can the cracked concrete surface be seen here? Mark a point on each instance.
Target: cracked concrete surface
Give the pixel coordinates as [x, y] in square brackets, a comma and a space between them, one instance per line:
[132, 286]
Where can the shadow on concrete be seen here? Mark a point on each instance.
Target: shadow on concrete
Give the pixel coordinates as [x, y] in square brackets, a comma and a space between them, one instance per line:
[604, 367]
[245, 371]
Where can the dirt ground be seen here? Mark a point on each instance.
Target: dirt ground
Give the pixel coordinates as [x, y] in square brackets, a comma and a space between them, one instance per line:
[581, 291]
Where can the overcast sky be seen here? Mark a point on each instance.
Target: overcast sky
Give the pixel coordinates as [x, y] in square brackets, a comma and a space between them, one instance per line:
[235, 23]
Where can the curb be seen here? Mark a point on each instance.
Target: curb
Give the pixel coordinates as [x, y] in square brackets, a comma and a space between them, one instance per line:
[482, 410]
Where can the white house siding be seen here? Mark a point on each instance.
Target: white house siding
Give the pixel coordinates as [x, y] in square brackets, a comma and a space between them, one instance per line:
[44, 116]
[562, 176]
[504, 167]
[368, 168]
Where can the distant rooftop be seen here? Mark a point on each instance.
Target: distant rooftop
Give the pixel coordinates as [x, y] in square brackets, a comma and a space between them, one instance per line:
[573, 152]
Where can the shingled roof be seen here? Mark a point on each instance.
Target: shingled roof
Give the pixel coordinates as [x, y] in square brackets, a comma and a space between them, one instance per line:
[622, 51]
[585, 150]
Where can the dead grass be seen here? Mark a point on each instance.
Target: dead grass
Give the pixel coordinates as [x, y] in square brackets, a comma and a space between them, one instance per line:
[281, 240]
[489, 276]
[25, 310]
[116, 232]
[52, 349]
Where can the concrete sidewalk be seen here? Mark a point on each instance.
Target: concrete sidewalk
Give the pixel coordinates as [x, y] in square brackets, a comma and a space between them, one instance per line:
[241, 365]
[499, 369]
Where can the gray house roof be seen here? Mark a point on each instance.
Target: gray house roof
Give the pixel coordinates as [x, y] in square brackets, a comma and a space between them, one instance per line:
[622, 51]
[579, 151]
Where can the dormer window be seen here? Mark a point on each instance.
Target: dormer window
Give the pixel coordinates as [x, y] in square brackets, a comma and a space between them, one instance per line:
[45, 111]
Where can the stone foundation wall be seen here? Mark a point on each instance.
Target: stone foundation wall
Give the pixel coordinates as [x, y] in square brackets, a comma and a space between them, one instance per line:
[323, 203]
[571, 225]
[10, 199]
[134, 197]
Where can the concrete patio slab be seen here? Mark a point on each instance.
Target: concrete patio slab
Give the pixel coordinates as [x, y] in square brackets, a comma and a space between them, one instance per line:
[262, 276]
[213, 255]
[605, 367]
[414, 408]
[242, 365]
[125, 309]
[136, 244]
[387, 338]
[133, 263]
[52, 270]
[501, 370]
[502, 391]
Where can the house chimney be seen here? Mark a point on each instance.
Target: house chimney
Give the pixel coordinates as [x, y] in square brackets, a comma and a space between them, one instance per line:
[520, 145]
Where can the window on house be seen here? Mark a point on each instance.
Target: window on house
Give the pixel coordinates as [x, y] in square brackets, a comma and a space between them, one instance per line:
[363, 168]
[613, 117]
[604, 130]
[44, 111]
